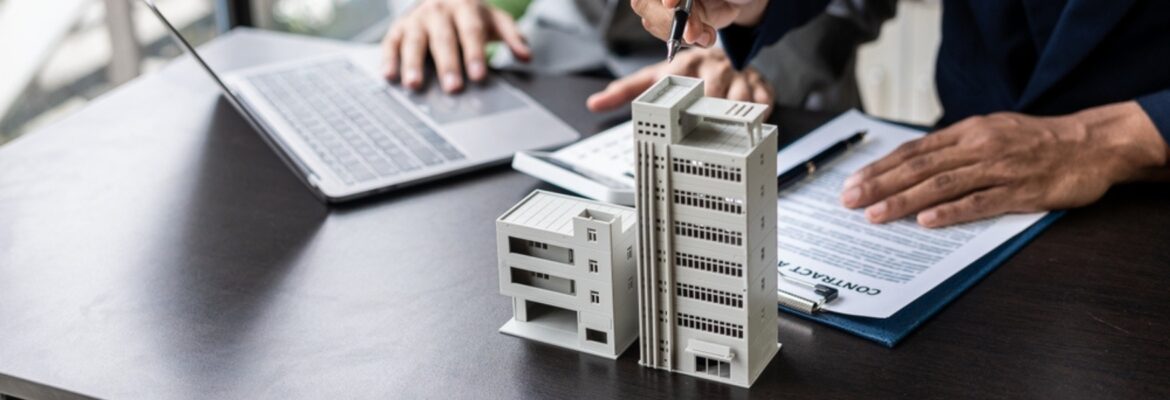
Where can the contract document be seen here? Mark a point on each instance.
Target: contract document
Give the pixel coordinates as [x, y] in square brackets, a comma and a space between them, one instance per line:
[877, 269]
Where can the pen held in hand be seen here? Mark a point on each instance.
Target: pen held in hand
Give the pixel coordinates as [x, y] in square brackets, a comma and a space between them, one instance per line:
[681, 14]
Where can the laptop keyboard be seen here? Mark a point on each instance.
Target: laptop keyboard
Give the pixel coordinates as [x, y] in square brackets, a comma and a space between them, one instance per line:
[357, 128]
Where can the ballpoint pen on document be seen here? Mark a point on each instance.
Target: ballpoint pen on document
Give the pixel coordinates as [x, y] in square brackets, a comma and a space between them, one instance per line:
[799, 172]
[681, 14]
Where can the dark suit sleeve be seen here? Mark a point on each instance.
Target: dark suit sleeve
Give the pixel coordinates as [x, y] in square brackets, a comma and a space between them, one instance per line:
[742, 43]
[1157, 106]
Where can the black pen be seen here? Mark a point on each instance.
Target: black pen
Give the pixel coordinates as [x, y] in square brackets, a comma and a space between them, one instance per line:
[799, 172]
[681, 14]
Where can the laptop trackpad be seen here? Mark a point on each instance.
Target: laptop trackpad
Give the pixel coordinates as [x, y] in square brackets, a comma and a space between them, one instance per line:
[476, 100]
[490, 119]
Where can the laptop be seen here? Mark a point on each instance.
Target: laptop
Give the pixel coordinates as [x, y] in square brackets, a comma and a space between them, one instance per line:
[347, 133]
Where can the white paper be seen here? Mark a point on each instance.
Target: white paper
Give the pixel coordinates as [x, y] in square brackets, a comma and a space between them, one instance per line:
[609, 154]
[877, 269]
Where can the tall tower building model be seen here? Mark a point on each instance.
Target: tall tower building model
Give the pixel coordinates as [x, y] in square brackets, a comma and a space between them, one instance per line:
[706, 204]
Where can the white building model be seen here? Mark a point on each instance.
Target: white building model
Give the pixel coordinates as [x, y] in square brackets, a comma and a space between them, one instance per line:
[706, 202]
[568, 264]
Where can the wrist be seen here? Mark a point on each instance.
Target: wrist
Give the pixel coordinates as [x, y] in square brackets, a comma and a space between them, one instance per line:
[1127, 139]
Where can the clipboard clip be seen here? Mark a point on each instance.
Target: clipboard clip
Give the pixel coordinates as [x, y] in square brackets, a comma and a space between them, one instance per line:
[824, 295]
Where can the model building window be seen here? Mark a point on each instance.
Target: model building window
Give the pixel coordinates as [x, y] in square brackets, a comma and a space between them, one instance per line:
[707, 169]
[593, 266]
[710, 202]
[713, 367]
[593, 335]
[704, 232]
[710, 325]
[594, 297]
[540, 250]
[708, 264]
[709, 295]
[591, 234]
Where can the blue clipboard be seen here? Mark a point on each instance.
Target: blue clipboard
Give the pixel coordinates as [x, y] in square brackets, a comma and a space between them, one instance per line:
[890, 331]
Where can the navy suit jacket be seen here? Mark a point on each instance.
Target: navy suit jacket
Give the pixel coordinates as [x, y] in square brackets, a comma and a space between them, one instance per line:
[1039, 57]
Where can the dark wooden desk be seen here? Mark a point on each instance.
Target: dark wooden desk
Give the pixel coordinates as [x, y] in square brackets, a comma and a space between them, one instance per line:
[152, 247]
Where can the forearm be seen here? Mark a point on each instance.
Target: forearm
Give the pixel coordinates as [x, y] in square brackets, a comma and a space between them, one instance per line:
[743, 41]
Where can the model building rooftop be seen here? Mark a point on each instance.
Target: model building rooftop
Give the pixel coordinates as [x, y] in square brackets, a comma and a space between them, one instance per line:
[727, 110]
[554, 212]
[722, 136]
[668, 91]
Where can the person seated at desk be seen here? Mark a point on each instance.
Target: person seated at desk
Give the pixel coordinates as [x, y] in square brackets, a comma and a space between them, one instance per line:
[1046, 103]
[563, 37]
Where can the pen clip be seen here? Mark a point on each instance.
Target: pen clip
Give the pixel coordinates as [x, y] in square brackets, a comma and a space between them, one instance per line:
[824, 294]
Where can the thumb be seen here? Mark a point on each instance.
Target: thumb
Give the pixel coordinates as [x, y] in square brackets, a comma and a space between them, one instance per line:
[622, 91]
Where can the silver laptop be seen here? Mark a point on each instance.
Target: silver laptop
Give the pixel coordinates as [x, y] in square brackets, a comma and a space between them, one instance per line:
[347, 133]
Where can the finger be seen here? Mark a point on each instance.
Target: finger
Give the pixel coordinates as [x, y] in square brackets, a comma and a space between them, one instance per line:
[904, 152]
[671, 3]
[975, 206]
[905, 175]
[739, 90]
[698, 32]
[939, 139]
[762, 91]
[717, 77]
[414, 47]
[391, 45]
[686, 64]
[707, 39]
[944, 186]
[623, 90]
[472, 38]
[656, 18]
[505, 28]
[444, 46]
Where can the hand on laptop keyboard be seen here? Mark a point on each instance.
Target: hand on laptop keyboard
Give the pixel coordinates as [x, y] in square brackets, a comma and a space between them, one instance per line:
[448, 28]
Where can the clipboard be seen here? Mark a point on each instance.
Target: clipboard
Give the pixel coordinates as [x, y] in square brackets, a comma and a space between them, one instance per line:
[890, 331]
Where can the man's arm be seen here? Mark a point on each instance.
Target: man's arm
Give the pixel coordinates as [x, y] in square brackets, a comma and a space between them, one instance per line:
[743, 43]
[1157, 106]
[813, 66]
[746, 26]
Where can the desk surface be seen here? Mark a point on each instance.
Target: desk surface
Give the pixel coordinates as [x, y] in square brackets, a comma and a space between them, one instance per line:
[151, 246]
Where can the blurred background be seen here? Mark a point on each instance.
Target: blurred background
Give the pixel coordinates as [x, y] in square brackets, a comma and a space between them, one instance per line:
[61, 54]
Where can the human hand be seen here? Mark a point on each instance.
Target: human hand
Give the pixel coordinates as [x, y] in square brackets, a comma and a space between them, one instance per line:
[447, 28]
[1008, 163]
[711, 65]
[706, 17]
